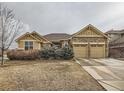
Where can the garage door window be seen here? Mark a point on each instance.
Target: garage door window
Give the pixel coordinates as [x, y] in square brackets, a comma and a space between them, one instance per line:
[96, 45]
[83, 45]
[93, 45]
[80, 45]
[100, 45]
[76, 45]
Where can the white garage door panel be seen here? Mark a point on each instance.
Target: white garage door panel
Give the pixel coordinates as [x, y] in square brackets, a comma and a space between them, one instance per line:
[80, 50]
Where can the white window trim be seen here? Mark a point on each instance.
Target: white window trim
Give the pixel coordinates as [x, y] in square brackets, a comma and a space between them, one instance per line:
[28, 41]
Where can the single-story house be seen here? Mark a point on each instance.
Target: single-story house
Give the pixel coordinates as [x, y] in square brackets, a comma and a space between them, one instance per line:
[115, 34]
[116, 44]
[89, 42]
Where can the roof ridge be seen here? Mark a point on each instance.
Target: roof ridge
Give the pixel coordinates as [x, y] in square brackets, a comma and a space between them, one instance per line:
[57, 33]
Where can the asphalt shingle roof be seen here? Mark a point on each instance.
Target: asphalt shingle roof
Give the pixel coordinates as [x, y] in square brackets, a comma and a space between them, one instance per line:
[55, 37]
[116, 31]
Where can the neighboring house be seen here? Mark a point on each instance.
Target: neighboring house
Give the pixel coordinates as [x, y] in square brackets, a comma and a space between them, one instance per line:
[90, 42]
[115, 34]
[59, 39]
[32, 40]
[116, 38]
[116, 44]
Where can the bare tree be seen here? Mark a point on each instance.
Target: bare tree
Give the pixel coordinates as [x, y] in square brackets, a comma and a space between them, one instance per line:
[9, 28]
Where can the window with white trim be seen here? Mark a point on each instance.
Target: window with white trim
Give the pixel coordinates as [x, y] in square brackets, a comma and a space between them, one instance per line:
[28, 45]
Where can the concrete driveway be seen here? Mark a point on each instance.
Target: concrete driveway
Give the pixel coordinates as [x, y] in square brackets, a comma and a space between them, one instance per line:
[108, 72]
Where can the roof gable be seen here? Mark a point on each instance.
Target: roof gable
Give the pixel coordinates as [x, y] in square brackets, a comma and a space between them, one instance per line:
[88, 31]
[40, 37]
[26, 36]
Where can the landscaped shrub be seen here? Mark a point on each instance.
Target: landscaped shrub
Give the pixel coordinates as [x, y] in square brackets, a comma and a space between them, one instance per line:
[47, 53]
[57, 53]
[23, 55]
[52, 52]
[44, 53]
[67, 53]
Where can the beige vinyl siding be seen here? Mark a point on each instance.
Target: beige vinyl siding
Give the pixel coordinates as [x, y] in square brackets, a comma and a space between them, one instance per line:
[21, 44]
[38, 41]
[36, 45]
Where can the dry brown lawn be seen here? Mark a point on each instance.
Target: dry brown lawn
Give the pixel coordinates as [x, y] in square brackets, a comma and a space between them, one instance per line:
[46, 75]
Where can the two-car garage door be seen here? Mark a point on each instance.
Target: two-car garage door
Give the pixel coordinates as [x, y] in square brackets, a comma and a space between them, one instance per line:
[89, 50]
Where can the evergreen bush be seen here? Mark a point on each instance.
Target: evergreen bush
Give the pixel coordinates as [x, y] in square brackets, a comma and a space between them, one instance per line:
[57, 53]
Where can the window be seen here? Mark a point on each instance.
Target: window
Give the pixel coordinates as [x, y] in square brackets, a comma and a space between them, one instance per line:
[97, 45]
[76, 45]
[28, 45]
[94, 45]
[100, 45]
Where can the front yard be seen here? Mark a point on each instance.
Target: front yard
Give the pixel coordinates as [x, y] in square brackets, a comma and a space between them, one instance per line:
[46, 75]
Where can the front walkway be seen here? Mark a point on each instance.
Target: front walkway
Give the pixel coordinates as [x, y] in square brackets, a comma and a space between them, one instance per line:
[108, 72]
